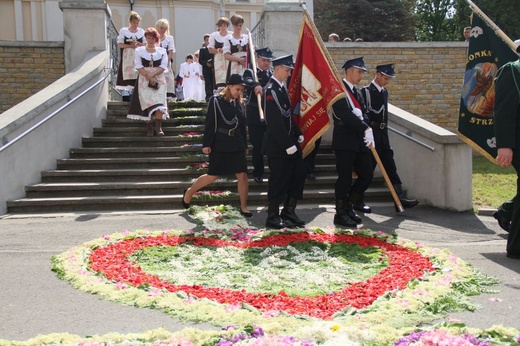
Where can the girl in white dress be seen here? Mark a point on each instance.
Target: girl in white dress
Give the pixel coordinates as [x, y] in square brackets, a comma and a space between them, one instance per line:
[167, 42]
[200, 89]
[235, 47]
[128, 40]
[217, 40]
[189, 78]
[149, 97]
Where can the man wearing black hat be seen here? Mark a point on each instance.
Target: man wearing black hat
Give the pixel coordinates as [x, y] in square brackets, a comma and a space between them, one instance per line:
[284, 156]
[506, 115]
[256, 126]
[376, 102]
[351, 139]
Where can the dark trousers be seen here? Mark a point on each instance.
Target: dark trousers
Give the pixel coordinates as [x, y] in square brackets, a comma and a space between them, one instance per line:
[208, 83]
[346, 161]
[386, 154]
[256, 136]
[513, 239]
[309, 159]
[286, 178]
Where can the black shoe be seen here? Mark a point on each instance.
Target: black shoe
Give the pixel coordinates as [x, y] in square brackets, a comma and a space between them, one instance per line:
[126, 98]
[290, 224]
[353, 216]
[510, 255]
[258, 179]
[184, 204]
[408, 203]
[246, 213]
[362, 207]
[276, 223]
[344, 220]
[504, 223]
[311, 176]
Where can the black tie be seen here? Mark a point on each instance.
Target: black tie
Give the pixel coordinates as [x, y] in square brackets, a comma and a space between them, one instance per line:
[355, 92]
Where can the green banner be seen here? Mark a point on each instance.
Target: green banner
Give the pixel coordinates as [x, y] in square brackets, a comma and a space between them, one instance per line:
[486, 54]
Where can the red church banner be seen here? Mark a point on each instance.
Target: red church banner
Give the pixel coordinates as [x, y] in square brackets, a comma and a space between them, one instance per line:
[314, 86]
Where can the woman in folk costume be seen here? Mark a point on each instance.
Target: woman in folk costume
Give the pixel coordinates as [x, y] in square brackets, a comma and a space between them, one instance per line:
[149, 97]
[217, 40]
[235, 47]
[225, 142]
[128, 40]
[167, 42]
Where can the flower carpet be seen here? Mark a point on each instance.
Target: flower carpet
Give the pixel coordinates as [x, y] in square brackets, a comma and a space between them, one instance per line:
[307, 286]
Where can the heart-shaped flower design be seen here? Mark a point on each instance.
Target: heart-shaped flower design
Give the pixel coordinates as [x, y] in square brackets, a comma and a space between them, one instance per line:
[403, 266]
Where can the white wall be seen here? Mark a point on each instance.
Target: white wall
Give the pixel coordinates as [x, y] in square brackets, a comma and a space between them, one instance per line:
[23, 161]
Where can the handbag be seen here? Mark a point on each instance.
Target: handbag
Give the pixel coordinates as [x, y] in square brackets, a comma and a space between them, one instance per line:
[153, 86]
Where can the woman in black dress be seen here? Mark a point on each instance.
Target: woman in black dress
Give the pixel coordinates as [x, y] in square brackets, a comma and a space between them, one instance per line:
[225, 142]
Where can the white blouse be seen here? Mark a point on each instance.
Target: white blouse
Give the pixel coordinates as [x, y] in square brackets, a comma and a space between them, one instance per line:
[160, 53]
[168, 43]
[125, 33]
[230, 40]
[217, 37]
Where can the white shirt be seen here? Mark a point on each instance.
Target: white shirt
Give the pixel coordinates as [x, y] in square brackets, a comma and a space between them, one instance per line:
[125, 33]
[160, 53]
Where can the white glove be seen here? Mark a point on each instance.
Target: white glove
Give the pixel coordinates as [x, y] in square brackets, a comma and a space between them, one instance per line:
[357, 113]
[300, 139]
[291, 150]
[369, 138]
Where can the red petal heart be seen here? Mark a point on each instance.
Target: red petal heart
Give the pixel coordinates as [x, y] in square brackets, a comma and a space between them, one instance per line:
[404, 265]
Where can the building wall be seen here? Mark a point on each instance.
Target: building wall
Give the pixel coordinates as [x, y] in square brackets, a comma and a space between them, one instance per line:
[429, 75]
[42, 20]
[26, 68]
[428, 82]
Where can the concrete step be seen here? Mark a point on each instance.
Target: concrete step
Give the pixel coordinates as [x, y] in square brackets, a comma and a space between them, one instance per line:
[144, 174]
[134, 152]
[149, 202]
[139, 141]
[139, 131]
[146, 187]
[326, 156]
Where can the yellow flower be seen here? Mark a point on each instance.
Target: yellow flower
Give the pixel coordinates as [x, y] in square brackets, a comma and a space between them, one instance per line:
[335, 328]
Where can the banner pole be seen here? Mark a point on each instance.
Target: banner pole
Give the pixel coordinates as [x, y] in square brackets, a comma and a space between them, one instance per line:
[387, 180]
[492, 25]
[253, 62]
[372, 149]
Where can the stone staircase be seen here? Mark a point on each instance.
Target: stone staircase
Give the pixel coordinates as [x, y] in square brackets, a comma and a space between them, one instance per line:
[120, 169]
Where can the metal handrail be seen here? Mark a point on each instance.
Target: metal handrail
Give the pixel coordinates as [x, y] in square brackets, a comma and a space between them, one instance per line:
[50, 116]
[411, 138]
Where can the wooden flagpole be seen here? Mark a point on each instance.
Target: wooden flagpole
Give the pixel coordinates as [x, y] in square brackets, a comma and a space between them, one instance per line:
[253, 62]
[492, 25]
[372, 149]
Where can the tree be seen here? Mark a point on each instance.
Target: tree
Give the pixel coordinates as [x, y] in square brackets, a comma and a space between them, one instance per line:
[371, 20]
[435, 20]
[504, 13]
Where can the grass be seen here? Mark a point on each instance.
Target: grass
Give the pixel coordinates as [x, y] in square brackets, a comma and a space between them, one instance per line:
[492, 184]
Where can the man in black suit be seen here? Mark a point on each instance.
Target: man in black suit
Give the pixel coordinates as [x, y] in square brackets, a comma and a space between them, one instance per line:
[206, 60]
[376, 102]
[506, 113]
[255, 125]
[351, 138]
[284, 156]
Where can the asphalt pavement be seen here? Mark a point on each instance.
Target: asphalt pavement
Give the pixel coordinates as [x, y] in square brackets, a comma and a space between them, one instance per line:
[34, 301]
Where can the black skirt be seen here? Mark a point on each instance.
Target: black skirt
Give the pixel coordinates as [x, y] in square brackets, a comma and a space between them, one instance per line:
[222, 163]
